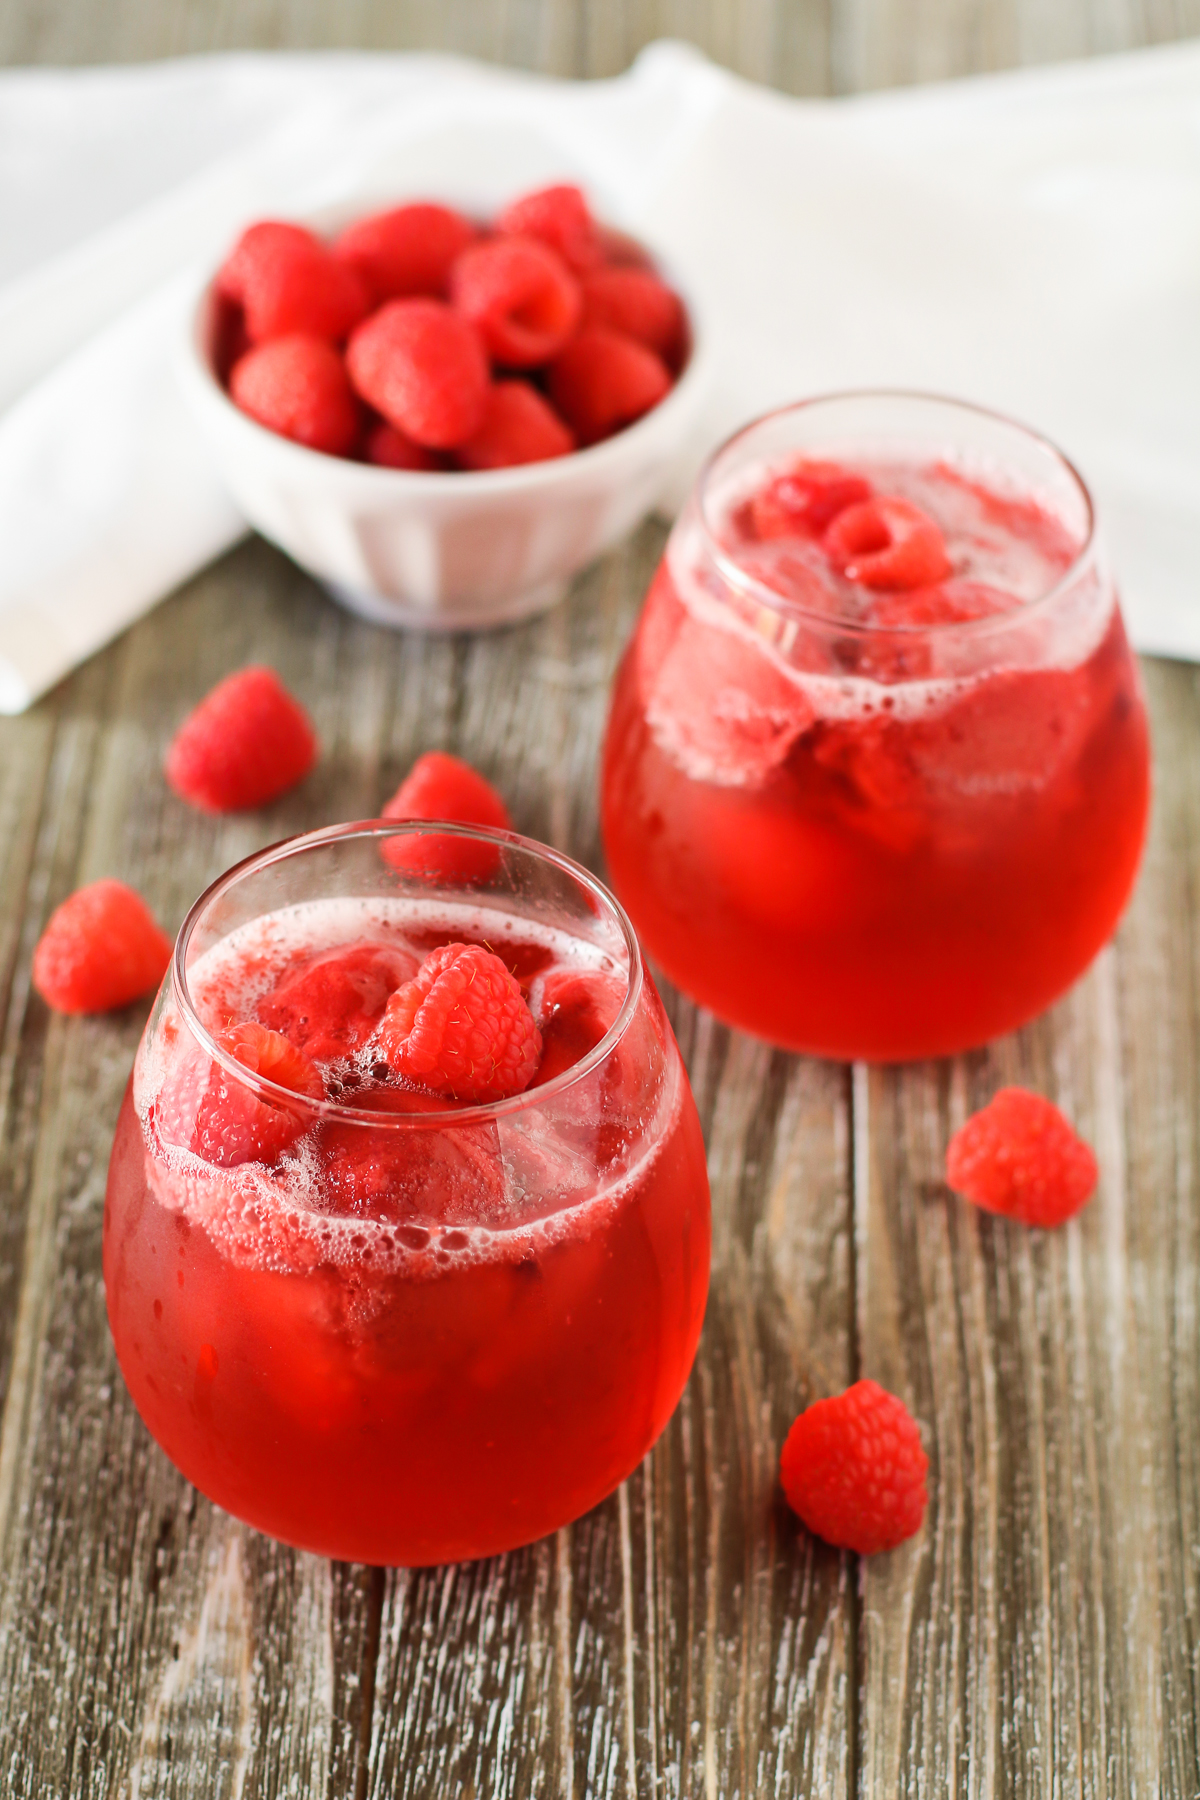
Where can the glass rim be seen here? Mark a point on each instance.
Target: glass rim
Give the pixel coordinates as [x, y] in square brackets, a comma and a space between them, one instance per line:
[334, 1111]
[741, 579]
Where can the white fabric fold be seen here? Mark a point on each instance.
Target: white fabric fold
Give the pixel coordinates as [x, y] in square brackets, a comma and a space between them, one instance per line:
[1028, 241]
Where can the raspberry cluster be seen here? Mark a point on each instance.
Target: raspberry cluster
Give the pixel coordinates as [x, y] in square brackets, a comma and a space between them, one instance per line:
[420, 340]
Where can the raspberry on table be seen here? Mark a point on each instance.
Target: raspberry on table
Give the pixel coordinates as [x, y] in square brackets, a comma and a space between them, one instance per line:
[406, 250]
[520, 295]
[806, 500]
[604, 380]
[887, 543]
[101, 949]
[248, 741]
[635, 302]
[201, 1107]
[462, 1027]
[390, 449]
[561, 217]
[423, 366]
[854, 1470]
[519, 426]
[441, 786]
[287, 281]
[298, 387]
[330, 1005]
[1019, 1156]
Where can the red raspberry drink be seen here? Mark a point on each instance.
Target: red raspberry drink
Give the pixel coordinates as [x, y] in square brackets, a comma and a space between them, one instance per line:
[877, 770]
[367, 1318]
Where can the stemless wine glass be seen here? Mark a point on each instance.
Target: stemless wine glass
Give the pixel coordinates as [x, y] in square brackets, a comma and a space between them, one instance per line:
[373, 1322]
[867, 807]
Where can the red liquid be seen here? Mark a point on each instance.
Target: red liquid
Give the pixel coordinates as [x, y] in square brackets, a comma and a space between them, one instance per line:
[900, 869]
[410, 1386]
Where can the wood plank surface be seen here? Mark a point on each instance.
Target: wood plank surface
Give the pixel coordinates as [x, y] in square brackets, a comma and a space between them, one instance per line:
[1041, 1637]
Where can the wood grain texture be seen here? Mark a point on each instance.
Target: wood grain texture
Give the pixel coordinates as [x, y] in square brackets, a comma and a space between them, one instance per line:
[1041, 1637]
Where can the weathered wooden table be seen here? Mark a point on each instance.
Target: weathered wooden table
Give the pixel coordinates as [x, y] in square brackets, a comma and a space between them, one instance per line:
[1040, 1637]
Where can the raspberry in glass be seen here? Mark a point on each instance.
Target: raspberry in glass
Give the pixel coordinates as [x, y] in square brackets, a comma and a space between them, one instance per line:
[603, 381]
[298, 386]
[561, 217]
[201, 1108]
[635, 302]
[286, 281]
[390, 449]
[519, 426]
[441, 786]
[406, 250]
[1020, 1157]
[805, 500]
[101, 949]
[887, 543]
[423, 366]
[520, 295]
[247, 742]
[854, 1470]
[462, 1027]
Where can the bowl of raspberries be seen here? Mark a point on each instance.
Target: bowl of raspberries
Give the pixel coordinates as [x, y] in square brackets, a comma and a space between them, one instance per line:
[444, 418]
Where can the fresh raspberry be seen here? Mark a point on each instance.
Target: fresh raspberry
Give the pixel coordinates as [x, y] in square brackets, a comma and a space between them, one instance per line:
[519, 426]
[1020, 1157]
[298, 386]
[577, 1007]
[390, 449]
[560, 217]
[523, 299]
[637, 303]
[246, 742]
[423, 367]
[620, 251]
[440, 786]
[101, 948]
[331, 1004]
[806, 500]
[462, 1027]
[287, 281]
[887, 543]
[854, 1470]
[603, 381]
[405, 251]
[203, 1108]
[452, 1174]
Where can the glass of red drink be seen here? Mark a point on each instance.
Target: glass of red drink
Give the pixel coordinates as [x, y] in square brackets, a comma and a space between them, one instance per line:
[370, 1320]
[877, 769]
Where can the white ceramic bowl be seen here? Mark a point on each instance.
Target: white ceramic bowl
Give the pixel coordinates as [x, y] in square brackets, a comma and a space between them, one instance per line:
[441, 552]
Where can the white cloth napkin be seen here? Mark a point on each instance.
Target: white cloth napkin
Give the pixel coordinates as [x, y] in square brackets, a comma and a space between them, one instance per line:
[1029, 241]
